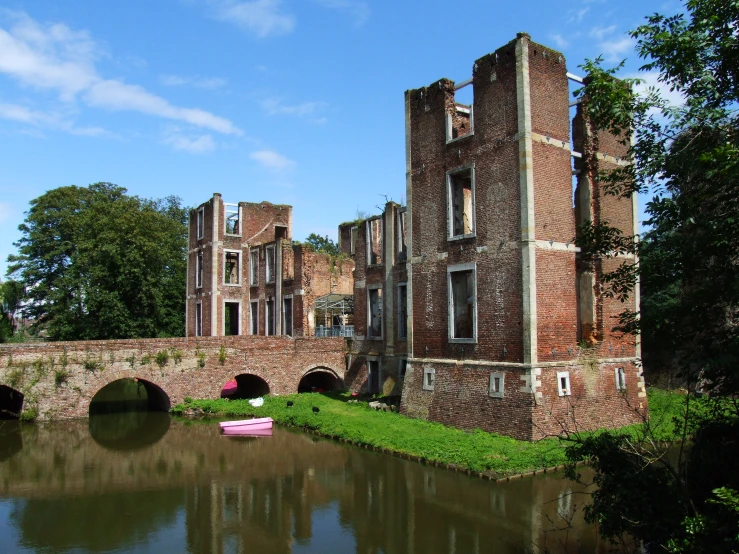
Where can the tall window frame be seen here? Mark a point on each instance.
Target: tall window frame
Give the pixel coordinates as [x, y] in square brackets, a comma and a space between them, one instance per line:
[402, 325]
[254, 317]
[229, 278]
[200, 223]
[461, 206]
[375, 318]
[199, 269]
[198, 319]
[254, 266]
[374, 255]
[269, 316]
[454, 314]
[269, 264]
[231, 220]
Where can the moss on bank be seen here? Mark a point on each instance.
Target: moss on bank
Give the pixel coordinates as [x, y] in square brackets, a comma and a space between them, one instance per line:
[478, 451]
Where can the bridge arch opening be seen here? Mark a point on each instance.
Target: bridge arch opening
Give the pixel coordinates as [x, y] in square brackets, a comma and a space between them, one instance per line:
[129, 395]
[320, 379]
[11, 403]
[245, 385]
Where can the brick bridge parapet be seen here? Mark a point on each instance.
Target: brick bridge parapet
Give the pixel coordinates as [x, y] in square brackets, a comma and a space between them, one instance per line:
[59, 379]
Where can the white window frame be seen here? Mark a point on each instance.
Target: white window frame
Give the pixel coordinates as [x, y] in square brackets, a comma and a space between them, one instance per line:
[253, 266]
[267, 259]
[369, 313]
[266, 316]
[402, 285]
[562, 391]
[198, 319]
[450, 303]
[402, 361]
[240, 255]
[429, 378]
[199, 269]
[450, 202]
[200, 223]
[292, 314]
[450, 125]
[500, 375]
[368, 233]
[253, 309]
[620, 375]
[225, 219]
[231, 301]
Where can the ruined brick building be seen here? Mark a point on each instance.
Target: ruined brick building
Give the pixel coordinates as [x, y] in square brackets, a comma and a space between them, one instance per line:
[245, 276]
[506, 328]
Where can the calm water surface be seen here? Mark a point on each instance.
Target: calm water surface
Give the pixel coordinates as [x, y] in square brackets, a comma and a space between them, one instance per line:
[143, 482]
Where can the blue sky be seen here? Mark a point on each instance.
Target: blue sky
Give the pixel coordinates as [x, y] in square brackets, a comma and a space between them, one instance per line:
[290, 101]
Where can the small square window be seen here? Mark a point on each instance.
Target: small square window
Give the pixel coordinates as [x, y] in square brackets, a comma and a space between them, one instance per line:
[497, 384]
[429, 377]
[563, 383]
[201, 222]
[461, 200]
[620, 378]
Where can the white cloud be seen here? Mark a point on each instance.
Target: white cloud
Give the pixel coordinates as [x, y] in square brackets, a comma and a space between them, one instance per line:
[600, 33]
[559, 41]
[271, 160]
[52, 120]
[650, 78]
[14, 112]
[273, 106]
[199, 82]
[615, 50]
[195, 145]
[5, 212]
[52, 56]
[261, 17]
[358, 10]
[578, 15]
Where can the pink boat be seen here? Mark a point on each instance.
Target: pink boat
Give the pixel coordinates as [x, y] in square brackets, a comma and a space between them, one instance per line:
[250, 433]
[246, 425]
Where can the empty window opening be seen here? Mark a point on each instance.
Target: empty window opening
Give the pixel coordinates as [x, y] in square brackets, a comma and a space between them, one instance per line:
[462, 304]
[199, 319]
[374, 325]
[232, 219]
[254, 267]
[201, 222]
[269, 263]
[429, 378]
[374, 241]
[231, 273]
[352, 240]
[402, 367]
[563, 383]
[320, 381]
[280, 232]
[287, 316]
[461, 203]
[401, 233]
[497, 384]
[460, 118]
[270, 316]
[402, 311]
[620, 378]
[254, 317]
[373, 376]
[231, 318]
[199, 269]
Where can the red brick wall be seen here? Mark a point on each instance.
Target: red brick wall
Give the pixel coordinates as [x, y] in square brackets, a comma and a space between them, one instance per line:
[280, 361]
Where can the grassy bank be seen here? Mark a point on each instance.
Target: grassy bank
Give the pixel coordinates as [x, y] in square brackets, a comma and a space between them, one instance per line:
[478, 451]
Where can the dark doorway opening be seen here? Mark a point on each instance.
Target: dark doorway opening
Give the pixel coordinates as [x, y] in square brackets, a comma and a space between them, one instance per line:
[320, 381]
[129, 395]
[247, 386]
[231, 318]
[11, 403]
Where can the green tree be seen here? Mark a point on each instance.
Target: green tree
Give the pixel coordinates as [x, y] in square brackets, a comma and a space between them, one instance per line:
[321, 244]
[98, 263]
[11, 296]
[684, 501]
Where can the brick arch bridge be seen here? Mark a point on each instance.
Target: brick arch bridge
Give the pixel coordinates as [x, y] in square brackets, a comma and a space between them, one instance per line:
[60, 379]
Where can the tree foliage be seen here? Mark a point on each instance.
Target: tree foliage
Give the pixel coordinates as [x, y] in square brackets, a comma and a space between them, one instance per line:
[321, 244]
[683, 500]
[98, 263]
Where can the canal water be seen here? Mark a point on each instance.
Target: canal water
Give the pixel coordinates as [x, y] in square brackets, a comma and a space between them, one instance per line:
[144, 482]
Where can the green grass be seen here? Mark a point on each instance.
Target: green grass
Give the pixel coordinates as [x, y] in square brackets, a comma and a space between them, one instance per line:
[478, 451]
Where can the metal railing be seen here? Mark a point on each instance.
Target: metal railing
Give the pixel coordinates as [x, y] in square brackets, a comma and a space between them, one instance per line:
[335, 331]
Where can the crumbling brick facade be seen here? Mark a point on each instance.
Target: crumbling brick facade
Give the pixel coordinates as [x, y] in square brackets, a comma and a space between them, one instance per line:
[245, 276]
[497, 299]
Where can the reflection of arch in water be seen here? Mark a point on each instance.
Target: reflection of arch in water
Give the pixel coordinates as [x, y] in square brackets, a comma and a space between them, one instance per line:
[11, 441]
[320, 379]
[11, 403]
[249, 385]
[128, 430]
[129, 395]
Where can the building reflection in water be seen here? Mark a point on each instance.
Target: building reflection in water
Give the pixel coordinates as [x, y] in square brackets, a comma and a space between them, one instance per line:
[290, 493]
